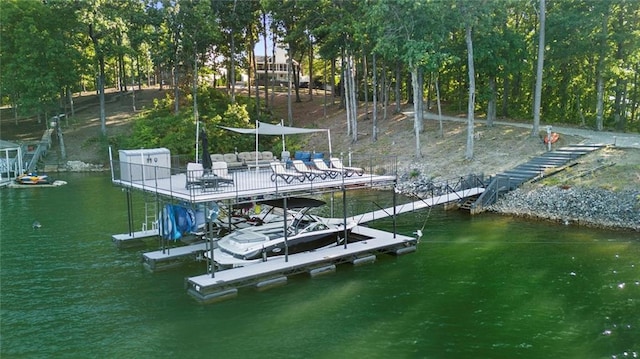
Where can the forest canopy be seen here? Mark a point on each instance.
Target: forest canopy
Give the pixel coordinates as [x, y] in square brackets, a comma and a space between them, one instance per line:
[370, 50]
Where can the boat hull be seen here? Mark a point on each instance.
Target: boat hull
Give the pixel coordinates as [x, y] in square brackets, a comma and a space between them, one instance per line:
[32, 179]
[294, 245]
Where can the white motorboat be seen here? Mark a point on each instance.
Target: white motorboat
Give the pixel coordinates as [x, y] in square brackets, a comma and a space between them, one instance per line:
[304, 232]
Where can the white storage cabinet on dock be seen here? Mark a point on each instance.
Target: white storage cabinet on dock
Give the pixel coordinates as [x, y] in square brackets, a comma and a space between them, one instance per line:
[145, 164]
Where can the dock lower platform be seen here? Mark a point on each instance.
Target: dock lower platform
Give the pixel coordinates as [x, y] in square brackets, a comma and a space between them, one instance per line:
[171, 257]
[217, 286]
[126, 240]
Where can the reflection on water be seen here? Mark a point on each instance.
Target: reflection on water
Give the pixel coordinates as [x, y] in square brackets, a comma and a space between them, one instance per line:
[484, 286]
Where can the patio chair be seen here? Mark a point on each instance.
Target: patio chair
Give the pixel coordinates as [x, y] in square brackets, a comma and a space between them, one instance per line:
[348, 171]
[221, 170]
[195, 171]
[310, 173]
[322, 166]
[197, 176]
[287, 175]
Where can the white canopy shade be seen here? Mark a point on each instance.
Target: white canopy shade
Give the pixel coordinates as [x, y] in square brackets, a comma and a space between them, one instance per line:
[277, 130]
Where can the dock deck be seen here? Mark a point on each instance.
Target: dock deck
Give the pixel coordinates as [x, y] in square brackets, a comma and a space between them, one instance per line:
[212, 287]
[172, 183]
[130, 239]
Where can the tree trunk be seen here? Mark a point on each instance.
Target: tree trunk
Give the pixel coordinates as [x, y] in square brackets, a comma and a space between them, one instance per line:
[397, 88]
[342, 80]
[176, 91]
[103, 116]
[289, 110]
[273, 70]
[599, 76]
[354, 101]
[374, 127]
[310, 70]
[420, 97]
[296, 78]
[332, 81]
[14, 105]
[439, 105]
[416, 109]
[123, 74]
[232, 76]
[538, 90]
[634, 95]
[133, 86]
[266, 63]
[505, 96]
[366, 86]
[344, 91]
[324, 82]
[429, 91]
[618, 105]
[255, 73]
[385, 93]
[491, 108]
[138, 72]
[71, 104]
[472, 94]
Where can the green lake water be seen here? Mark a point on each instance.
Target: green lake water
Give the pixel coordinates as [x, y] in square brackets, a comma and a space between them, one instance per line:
[485, 286]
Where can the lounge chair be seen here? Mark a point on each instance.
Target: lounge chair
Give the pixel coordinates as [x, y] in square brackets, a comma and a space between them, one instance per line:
[310, 173]
[287, 175]
[322, 166]
[348, 171]
[221, 170]
[195, 171]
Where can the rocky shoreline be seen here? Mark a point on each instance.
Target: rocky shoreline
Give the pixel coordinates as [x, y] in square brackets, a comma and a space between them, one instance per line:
[594, 207]
[585, 206]
[79, 166]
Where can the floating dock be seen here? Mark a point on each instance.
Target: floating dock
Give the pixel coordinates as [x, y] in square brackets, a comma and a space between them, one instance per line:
[170, 257]
[158, 260]
[222, 285]
[249, 186]
[125, 240]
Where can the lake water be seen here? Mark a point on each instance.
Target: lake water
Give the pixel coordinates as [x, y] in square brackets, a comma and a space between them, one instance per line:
[485, 286]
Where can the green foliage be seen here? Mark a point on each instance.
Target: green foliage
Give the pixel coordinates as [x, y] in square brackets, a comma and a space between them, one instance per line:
[160, 127]
[49, 46]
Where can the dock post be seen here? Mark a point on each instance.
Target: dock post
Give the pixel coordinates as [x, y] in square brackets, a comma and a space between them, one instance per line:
[344, 212]
[286, 243]
[395, 182]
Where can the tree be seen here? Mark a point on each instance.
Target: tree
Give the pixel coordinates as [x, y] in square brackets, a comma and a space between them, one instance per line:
[472, 92]
[105, 26]
[412, 38]
[536, 105]
[38, 55]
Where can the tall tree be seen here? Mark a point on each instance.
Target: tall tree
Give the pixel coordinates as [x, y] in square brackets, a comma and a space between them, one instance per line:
[539, 70]
[39, 55]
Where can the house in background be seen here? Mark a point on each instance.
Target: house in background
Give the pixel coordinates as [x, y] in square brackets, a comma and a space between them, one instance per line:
[277, 69]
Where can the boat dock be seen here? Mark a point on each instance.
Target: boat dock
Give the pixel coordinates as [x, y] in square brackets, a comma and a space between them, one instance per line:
[168, 258]
[250, 186]
[222, 285]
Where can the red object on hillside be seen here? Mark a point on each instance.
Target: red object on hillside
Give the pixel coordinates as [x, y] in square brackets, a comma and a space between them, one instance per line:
[554, 138]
